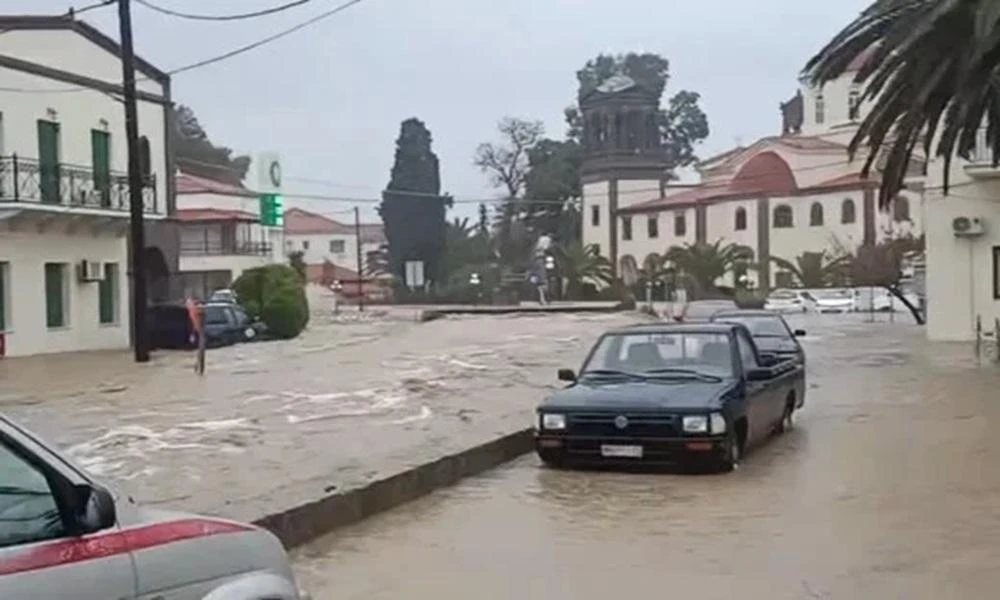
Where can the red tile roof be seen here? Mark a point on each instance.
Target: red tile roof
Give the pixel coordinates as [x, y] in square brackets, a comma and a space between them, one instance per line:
[303, 222]
[193, 184]
[795, 142]
[214, 214]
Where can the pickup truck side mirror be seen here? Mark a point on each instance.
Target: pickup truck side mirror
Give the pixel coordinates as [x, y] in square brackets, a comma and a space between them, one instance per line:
[566, 375]
[800, 333]
[759, 374]
[97, 509]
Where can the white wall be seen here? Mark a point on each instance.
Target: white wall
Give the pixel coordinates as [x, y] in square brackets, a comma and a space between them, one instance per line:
[641, 245]
[788, 243]
[27, 254]
[319, 249]
[596, 194]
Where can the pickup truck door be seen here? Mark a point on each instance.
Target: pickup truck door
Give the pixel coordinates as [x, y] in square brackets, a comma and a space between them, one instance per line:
[762, 398]
[38, 558]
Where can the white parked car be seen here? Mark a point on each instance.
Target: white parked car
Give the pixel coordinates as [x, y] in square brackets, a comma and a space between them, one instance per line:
[835, 300]
[785, 300]
[64, 535]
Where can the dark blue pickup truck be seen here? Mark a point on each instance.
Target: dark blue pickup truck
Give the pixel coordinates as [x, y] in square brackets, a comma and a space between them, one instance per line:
[697, 394]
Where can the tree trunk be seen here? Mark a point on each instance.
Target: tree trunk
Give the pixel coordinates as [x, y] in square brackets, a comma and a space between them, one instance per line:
[895, 291]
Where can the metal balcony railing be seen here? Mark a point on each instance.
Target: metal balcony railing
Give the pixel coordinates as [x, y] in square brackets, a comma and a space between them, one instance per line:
[216, 248]
[27, 180]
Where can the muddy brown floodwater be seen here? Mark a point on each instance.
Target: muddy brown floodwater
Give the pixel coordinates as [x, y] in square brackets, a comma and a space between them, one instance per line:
[887, 488]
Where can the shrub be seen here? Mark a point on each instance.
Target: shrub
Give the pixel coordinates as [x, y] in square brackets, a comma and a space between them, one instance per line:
[274, 293]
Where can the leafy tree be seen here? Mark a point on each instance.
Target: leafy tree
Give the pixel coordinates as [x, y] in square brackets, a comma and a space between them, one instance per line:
[196, 154]
[276, 295]
[931, 68]
[578, 265]
[702, 264]
[552, 188]
[413, 209]
[466, 246]
[881, 265]
[815, 269]
[682, 123]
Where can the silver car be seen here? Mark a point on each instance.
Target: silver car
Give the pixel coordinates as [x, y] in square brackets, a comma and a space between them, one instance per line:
[64, 535]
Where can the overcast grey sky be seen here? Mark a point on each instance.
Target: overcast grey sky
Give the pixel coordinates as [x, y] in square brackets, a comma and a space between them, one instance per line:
[330, 98]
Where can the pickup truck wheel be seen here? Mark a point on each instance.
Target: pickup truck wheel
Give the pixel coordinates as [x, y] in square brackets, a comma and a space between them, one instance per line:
[734, 453]
[786, 422]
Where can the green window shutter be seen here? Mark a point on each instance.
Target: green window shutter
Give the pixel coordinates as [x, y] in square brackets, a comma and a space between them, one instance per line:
[3, 296]
[48, 162]
[55, 314]
[106, 290]
[100, 150]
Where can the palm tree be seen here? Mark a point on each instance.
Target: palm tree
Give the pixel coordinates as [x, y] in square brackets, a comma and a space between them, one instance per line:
[815, 269]
[932, 68]
[703, 264]
[579, 264]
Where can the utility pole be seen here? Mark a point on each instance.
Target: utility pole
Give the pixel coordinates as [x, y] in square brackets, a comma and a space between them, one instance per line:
[357, 242]
[137, 233]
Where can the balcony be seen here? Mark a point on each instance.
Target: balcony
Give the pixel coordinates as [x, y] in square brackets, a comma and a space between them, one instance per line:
[26, 183]
[219, 248]
[980, 164]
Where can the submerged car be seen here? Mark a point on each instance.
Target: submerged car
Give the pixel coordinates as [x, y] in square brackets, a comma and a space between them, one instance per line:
[702, 310]
[785, 300]
[697, 394]
[834, 301]
[770, 331]
[64, 535]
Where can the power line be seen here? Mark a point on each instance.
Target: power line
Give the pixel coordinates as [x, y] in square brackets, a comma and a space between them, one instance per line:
[212, 60]
[234, 17]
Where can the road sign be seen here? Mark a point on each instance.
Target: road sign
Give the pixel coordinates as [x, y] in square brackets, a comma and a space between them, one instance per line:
[414, 273]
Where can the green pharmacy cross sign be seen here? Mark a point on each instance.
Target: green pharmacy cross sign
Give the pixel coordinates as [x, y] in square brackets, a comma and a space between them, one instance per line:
[272, 210]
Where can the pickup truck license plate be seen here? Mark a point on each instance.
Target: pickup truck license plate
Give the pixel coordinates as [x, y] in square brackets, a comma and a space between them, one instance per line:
[611, 451]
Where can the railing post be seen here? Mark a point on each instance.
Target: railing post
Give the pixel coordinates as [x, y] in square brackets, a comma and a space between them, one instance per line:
[17, 178]
[996, 339]
[979, 336]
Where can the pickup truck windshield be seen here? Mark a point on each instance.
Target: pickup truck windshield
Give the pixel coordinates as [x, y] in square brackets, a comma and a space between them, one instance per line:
[761, 326]
[663, 355]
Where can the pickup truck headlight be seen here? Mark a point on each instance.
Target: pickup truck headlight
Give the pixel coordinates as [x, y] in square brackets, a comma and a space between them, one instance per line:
[695, 424]
[550, 421]
[717, 423]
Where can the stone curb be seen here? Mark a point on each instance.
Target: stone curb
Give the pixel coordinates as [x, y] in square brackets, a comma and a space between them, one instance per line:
[425, 316]
[304, 523]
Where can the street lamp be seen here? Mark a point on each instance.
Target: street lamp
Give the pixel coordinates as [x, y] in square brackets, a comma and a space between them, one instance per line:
[336, 287]
[475, 282]
[550, 269]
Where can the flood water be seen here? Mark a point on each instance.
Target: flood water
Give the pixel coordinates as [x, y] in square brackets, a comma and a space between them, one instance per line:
[888, 487]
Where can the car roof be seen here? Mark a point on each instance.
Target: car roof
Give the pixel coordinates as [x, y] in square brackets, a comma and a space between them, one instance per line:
[746, 312]
[667, 327]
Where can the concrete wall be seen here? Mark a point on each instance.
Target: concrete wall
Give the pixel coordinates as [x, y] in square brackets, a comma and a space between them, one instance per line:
[319, 248]
[25, 255]
[595, 197]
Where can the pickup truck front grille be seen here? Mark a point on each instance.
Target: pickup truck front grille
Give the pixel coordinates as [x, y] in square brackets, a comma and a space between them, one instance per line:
[638, 425]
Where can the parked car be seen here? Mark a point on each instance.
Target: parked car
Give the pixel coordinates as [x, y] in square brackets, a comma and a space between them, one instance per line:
[675, 394]
[224, 295]
[835, 300]
[786, 300]
[770, 331]
[227, 324]
[170, 327]
[65, 535]
[702, 310]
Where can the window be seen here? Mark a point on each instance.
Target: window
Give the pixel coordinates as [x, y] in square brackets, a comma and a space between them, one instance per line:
[741, 219]
[783, 217]
[29, 512]
[100, 153]
[820, 109]
[847, 212]
[747, 353]
[626, 228]
[680, 225]
[48, 162]
[337, 246]
[145, 159]
[305, 244]
[4, 287]
[56, 294]
[996, 272]
[853, 105]
[595, 215]
[816, 215]
[107, 291]
[653, 227]
[901, 209]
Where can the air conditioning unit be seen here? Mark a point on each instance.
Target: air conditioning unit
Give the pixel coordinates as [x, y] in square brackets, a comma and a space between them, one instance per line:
[967, 227]
[89, 270]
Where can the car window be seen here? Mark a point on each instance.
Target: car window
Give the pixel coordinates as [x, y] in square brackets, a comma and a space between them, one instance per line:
[760, 326]
[747, 353]
[28, 509]
[216, 315]
[642, 352]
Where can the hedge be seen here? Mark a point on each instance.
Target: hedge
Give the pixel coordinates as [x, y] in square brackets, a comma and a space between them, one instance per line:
[275, 294]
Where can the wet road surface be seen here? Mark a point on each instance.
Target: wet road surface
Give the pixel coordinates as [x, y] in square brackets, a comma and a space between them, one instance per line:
[886, 488]
[276, 424]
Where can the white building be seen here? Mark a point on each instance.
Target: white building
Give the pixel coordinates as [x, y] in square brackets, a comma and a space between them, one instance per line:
[782, 196]
[64, 195]
[322, 239]
[963, 247]
[220, 234]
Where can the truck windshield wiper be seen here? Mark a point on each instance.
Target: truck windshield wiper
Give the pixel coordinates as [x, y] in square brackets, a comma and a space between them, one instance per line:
[610, 373]
[680, 372]
[7, 490]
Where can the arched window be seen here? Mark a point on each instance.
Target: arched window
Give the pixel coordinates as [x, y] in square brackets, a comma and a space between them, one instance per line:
[783, 217]
[847, 212]
[741, 219]
[900, 209]
[816, 215]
